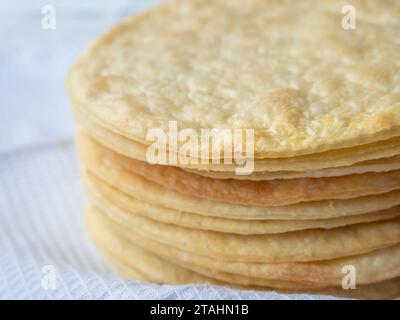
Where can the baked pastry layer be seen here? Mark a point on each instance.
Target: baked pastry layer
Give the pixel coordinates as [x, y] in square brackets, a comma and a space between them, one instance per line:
[234, 64]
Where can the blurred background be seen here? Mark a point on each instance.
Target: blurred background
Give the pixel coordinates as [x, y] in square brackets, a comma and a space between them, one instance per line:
[34, 61]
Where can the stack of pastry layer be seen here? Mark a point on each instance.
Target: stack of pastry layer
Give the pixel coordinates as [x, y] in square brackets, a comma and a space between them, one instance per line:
[324, 104]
